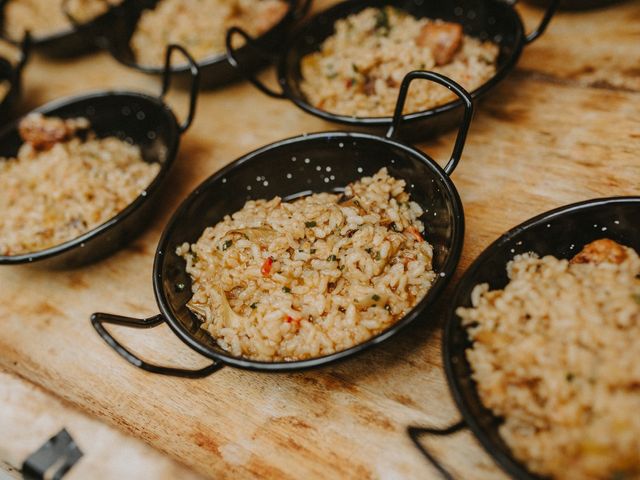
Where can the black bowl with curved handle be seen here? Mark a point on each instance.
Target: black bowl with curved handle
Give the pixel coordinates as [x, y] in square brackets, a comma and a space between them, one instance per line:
[76, 39]
[291, 168]
[561, 233]
[137, 118]
[495, 20]
[12, 73]
[215, 70]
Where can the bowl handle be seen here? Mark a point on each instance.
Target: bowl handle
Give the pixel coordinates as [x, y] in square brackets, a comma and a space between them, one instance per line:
[551, 10]
[195, 81]
[98, 319]
[301, 8]
[451, 85]
[416, 432]
[25, 51]
[233, 60]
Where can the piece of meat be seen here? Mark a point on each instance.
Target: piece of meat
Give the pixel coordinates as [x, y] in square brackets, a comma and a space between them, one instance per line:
[42, 132]
[601, 251]
[444, 39]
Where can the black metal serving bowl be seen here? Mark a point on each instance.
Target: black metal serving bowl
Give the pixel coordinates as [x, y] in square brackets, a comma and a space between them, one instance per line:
[137, 118]
[76, 39]
[495, 20]
[561, 233]
[292, 168]
[215, 70]
[577, 4]
[13, 74]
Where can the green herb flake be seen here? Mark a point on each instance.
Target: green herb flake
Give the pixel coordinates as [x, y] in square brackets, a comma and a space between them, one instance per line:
[312, 251]
[378, 257]
[227, 244]
[368, 250]
[310, 224]
[253, 305]
[570, 376]
[375, 297]
[286, 289]
[394, 227]
[636, 298]
[331, 258]
[382, 20]
[354, 67]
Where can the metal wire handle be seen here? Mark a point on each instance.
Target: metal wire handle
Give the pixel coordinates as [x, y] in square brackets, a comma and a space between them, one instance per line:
[451, 85]
[551, 10]
[98, 319]
[233, 60]
[195, 81]
[25, 51]
[416, 432]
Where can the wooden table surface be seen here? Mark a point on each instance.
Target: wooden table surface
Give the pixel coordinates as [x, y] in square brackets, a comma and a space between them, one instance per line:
[564, 127]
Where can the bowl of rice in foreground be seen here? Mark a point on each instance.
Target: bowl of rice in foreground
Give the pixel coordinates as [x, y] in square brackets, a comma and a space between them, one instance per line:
[346, 63]
[542, 342]
[305, 252]
[80, 176]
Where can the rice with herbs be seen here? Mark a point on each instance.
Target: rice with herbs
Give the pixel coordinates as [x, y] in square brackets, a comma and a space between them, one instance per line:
[556, 354]
[200, 25]
[46, 17]
[294, 280]
[60, 185]
[358, 70]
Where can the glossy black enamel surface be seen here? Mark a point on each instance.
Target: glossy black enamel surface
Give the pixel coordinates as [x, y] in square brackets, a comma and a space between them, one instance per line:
[215, 70]
[77, 39]
[299, 166]
[136, 118]
[577, 4]
[485, 19]
[561, 233]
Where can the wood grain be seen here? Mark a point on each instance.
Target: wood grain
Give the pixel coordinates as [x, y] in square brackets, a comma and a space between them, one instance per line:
[546, 137]
[32, 416]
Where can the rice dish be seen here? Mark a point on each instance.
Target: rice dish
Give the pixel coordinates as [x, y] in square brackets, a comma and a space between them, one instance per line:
[295, 280]
[556, 355]
[200, 26]
[64, 182]
[46, 17]
[358, 70]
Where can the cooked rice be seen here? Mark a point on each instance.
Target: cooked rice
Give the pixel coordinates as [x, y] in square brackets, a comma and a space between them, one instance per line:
[45, 17]
[359, 69]
[342, 271]
[200, 25]
[555, 353]
[55, 194]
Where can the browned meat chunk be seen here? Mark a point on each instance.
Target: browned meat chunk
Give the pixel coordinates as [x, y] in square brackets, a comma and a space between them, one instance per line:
[444, 40]
[43, 133]
[601, 251]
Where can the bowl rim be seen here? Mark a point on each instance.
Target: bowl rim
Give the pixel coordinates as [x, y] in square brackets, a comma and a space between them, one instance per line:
[344, 8]
[507, 462]
[449, 267]
[79, 241]
[214, 59]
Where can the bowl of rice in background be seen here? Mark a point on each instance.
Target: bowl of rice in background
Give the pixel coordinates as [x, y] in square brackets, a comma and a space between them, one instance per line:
[80, 176]
[139, 38]
[306, 251]
[541, 345]
[60, 28]
[345, 64]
